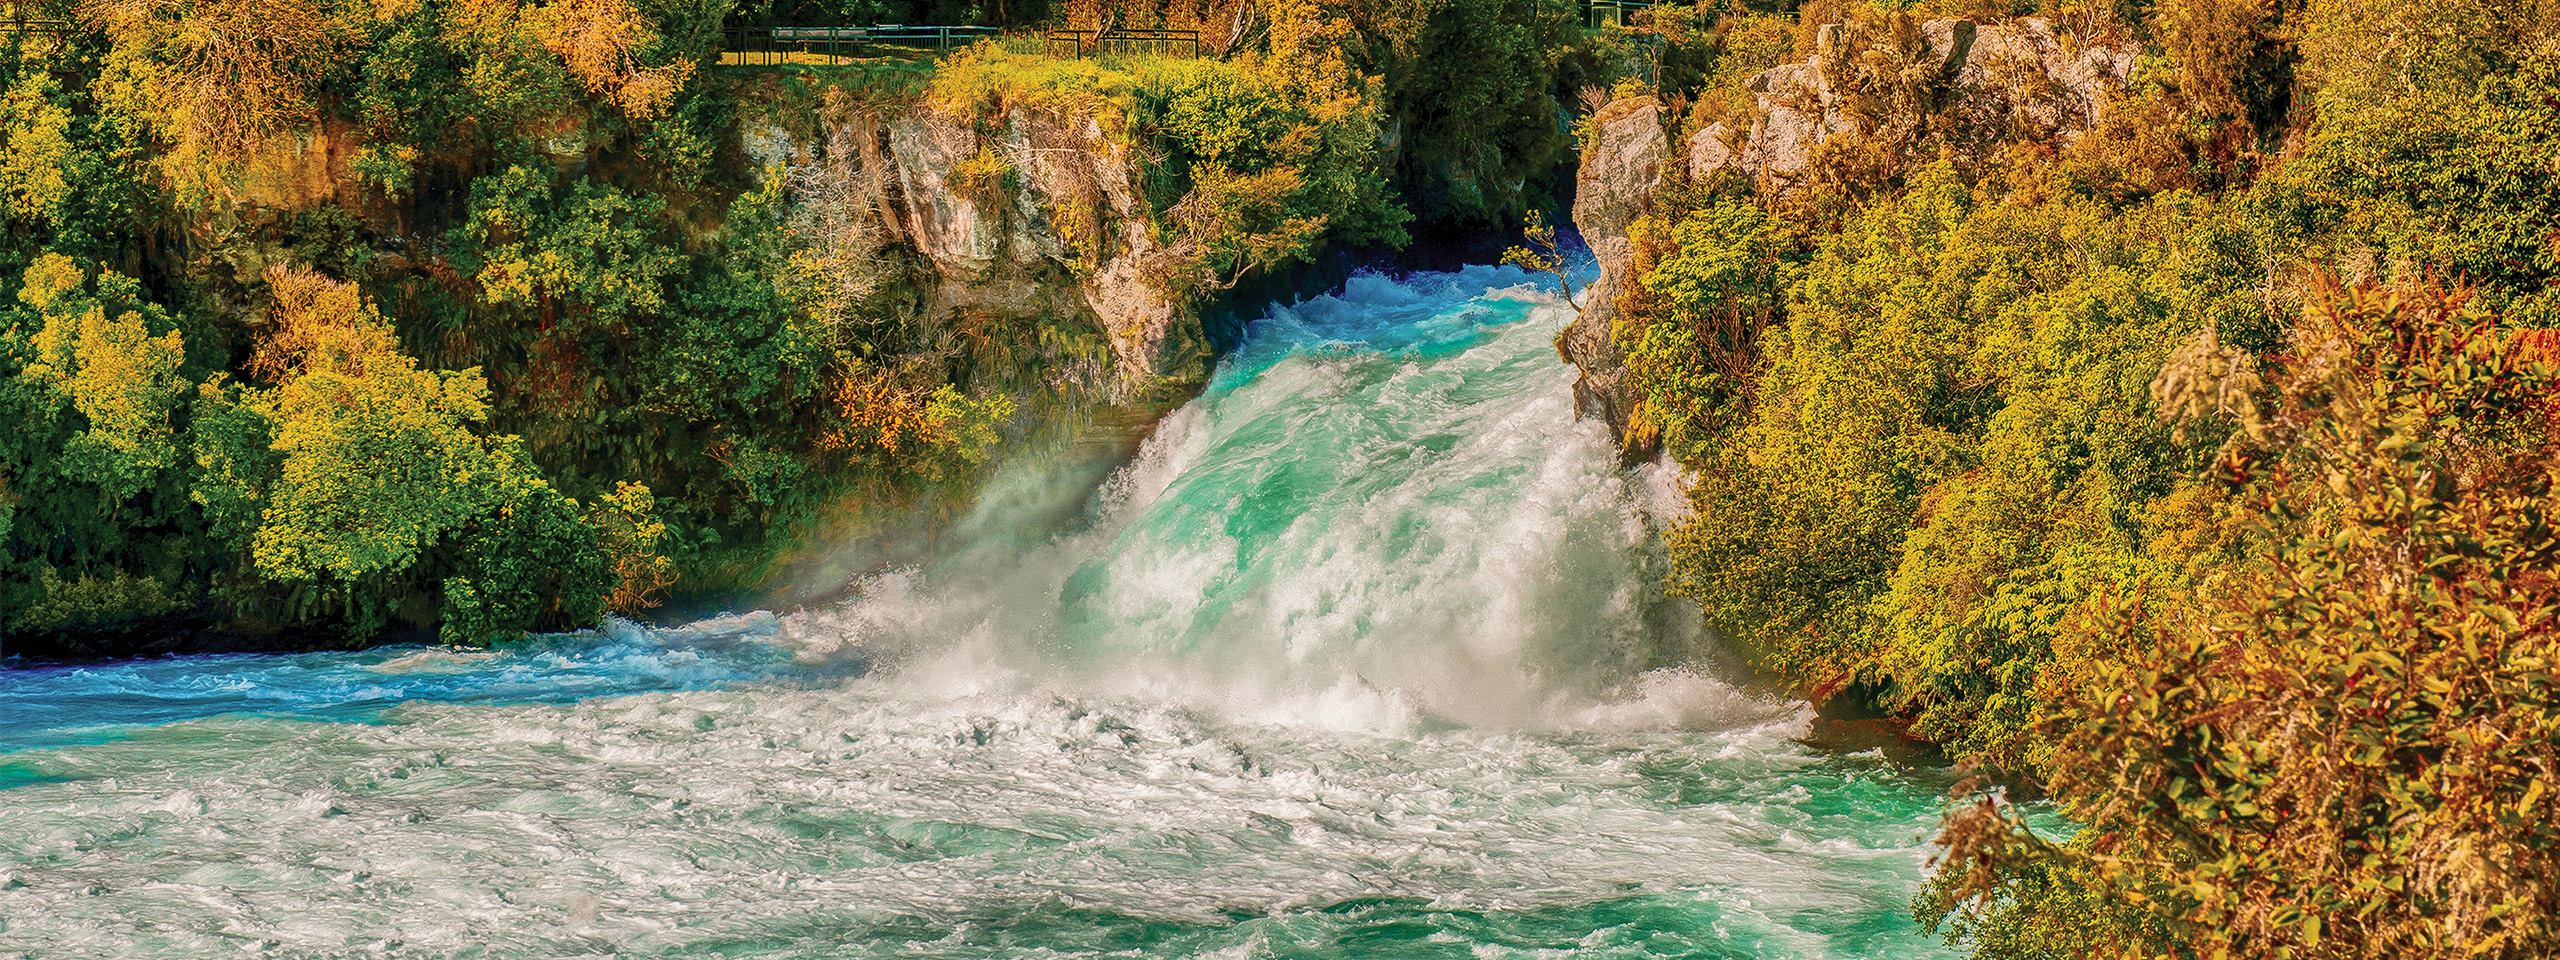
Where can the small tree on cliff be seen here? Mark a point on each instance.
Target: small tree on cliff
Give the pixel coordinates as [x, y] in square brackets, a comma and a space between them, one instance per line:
[1542, 252]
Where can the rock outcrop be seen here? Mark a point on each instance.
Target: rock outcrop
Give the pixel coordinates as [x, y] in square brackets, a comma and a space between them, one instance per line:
[1621, 169]
[1040, 216]
[1969, 83]
[1952, 80]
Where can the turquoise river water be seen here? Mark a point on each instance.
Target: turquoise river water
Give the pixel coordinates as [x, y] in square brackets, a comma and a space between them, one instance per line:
[1357, 658]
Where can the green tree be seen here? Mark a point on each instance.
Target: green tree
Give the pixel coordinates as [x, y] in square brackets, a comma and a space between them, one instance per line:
[100, 352]
[1717, 278]
[380, 466]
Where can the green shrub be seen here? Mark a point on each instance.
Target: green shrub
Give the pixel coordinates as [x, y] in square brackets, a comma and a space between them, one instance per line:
[90, 600]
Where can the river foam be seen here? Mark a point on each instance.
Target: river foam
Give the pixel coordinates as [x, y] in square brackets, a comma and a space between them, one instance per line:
[1381, 515]
[1358, 658]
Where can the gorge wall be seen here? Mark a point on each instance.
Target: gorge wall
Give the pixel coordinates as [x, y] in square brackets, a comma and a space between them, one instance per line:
[1864, 97]
[903, 193]
[1621, 168]
[1062, 231]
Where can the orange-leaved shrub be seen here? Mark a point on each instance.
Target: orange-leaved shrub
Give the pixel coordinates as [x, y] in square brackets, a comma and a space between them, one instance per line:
[2348, 743]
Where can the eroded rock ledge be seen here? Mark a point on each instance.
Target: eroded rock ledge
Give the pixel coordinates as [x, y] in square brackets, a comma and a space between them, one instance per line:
[1621, 168]
[1967, 84]
[1063, 234]
[1974, 84]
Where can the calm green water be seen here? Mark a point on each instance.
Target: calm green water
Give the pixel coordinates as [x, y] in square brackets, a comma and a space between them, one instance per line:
[1357, 659]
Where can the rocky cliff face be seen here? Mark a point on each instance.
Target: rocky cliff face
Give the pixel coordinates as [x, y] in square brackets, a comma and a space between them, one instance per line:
[1974, 83]
[1954, 80]
[1621, 168]
[1040, 216]
[1023, 215]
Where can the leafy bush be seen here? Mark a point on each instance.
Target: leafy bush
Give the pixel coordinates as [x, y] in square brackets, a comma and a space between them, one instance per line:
[530, 564]
[380, 461]
[583, 257]
[1712, 282]
[627, 524]
[2456, 185]
[99, 352]
[2349, 746]
[88, 600]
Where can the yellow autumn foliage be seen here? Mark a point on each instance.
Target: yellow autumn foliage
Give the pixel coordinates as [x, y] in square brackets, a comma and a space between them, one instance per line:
[220, 78]
[379, 457]
[117, 374]
[600, 42]
[629, 530]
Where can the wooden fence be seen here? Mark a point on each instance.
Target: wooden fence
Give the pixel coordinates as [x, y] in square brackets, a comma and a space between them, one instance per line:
[26, 18]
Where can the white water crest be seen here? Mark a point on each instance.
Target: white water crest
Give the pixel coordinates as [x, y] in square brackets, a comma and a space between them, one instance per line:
[1361, 656]
[1381, 516]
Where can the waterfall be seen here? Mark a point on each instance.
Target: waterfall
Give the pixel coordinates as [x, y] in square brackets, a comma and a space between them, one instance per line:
[1360, 656]
[1383, 499]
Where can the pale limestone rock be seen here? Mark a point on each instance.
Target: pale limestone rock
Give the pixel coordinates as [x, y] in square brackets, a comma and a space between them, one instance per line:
[1621, 169]
[1796, 113]
[768, 145]
[1993, 83]
[1067, 236]
[1712, 149]
[947, 228]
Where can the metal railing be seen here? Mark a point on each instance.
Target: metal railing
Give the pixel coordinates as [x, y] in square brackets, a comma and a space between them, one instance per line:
[839, 46]
[1599, 13]
[16, 22]
[1123, 41]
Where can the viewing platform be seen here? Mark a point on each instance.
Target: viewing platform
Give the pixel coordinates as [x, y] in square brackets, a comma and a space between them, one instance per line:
[824, 46]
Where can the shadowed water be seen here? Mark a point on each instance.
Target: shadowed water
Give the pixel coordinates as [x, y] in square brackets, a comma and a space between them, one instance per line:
[1357, 659]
